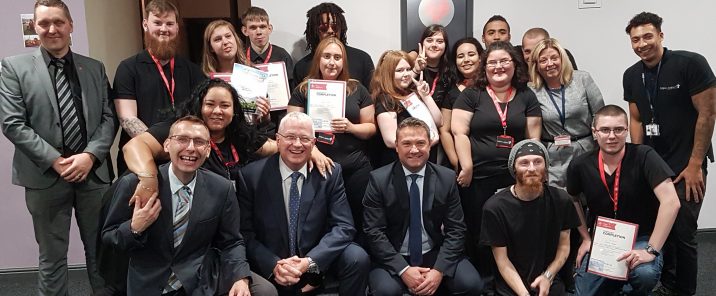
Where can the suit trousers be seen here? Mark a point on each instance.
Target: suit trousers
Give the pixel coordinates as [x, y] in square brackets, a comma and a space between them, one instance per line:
[51, 210]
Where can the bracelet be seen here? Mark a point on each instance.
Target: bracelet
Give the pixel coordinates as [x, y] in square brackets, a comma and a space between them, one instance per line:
[145, 175]
[547, 274]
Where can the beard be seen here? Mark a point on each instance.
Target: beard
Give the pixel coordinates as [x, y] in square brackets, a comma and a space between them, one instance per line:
[162, 50]
[532, 184]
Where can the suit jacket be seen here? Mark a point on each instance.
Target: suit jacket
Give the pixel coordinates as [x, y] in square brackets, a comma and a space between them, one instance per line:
[387, 216]
[30, 117]
[213, 223]
[325, 223]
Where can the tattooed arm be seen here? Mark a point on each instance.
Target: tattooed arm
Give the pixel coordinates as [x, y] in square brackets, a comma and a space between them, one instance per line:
[127, 113]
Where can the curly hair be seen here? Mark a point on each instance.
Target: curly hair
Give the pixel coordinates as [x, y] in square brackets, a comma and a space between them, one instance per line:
[519, 79]
[314, 15]
[645, 18]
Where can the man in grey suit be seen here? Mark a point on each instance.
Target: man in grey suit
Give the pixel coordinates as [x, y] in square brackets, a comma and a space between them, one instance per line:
[54, 109]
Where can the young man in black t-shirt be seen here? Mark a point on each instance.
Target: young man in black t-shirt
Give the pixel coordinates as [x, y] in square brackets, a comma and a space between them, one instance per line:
[672, 96]
[528, 226]
[630, 183]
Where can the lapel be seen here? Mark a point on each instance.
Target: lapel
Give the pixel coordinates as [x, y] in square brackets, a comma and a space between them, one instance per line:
[271, 178]
[165, 222]
[83, 77]
[429, 183]
[199, 205]
[308, 194]
[400, 185]
[43, 74]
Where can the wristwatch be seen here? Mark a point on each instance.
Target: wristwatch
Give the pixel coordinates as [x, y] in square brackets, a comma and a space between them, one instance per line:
[312, 266]
[547, 274]
[651, 250]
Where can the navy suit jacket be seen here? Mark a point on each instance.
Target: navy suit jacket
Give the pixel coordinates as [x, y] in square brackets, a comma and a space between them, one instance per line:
[386, 216]
[325, 223]
[213, 223]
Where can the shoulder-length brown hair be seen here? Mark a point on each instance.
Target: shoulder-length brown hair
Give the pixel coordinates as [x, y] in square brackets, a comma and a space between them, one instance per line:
[519, 79]
[315, 70]
[383, 88]
[210, 62]
[565, 68]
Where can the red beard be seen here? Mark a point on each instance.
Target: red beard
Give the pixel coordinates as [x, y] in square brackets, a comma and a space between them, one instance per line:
[531, 184]
[162, 50]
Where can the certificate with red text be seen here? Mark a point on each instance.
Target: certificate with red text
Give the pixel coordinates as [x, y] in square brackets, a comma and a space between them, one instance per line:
[278, 90]
[612, 238]
[326, 101]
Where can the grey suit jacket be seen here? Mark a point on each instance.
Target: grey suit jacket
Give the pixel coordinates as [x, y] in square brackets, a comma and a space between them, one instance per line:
[30, 117]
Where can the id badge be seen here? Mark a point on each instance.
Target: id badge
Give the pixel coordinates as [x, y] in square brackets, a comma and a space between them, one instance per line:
[326, 138]
[562, 140]
[505, 141]
[652, 129]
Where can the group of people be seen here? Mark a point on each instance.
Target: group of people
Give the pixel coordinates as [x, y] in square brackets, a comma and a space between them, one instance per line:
[454, 171]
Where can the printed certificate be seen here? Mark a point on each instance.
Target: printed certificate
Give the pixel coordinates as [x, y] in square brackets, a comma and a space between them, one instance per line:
[612, 238]
[278, 89]
[417, 108]
[250, 83]
[326, 101]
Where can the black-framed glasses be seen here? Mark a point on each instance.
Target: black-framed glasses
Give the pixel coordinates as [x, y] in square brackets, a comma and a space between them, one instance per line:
[185, 140]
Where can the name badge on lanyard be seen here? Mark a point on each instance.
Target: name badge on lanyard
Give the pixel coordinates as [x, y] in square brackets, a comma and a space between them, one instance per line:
[562, 139]
[326, 138]
[504, 140]
[652, 129]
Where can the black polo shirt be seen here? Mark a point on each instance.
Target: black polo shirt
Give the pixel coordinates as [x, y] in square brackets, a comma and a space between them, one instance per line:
[642, 169]
[681, 75]
[360, 66]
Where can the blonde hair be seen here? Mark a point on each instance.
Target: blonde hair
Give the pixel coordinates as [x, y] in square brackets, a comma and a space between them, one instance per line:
[210, 62]
[315, 71]
[565, 70]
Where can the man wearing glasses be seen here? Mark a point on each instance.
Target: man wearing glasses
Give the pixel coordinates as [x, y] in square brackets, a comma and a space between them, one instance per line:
[627, 182]
[297, 223]
[169, 236]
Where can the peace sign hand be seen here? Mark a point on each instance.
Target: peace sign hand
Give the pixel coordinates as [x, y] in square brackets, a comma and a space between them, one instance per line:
[422, 87]
[420, 61]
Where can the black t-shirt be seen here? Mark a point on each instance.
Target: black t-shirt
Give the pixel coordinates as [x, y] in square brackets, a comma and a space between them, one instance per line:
[215, 163]
[485, 126]
[529, 229]
[360, 66]
[137, 77]
[682, 75]
[347, 149]
[441, 87]
[641, 170]
[451, 98]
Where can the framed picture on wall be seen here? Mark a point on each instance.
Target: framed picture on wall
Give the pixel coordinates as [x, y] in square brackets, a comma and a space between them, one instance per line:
[416, 15]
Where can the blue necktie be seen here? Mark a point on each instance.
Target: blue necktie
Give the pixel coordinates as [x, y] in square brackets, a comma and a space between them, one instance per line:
[294, 201]
[415, 242]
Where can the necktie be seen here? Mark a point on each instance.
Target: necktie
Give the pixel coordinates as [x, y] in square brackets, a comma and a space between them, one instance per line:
[181, 219]
[294, 201]
[415, 242]
[68, 112]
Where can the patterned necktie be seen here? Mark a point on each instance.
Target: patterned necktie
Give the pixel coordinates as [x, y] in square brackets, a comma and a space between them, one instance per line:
[181, 217]
[68, 112]
[294, 201]
[415, 241]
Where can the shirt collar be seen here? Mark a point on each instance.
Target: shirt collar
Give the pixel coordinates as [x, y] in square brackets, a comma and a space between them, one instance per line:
[286, 171]
[175, 184]
[420, 173]
[48, 58]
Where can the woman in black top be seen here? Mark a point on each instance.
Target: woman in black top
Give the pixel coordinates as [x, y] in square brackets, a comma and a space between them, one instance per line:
[487, 120]
[393, 84]
[346, 144]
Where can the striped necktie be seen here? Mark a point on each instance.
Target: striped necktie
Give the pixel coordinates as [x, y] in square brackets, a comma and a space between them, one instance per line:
[71, 132]
[181, 217]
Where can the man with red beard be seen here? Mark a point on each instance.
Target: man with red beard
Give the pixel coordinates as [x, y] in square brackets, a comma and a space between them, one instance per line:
[527, 225]
[149, 85]
[631, 183]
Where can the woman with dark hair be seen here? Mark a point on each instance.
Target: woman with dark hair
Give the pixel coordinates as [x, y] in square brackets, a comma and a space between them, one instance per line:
[432, 60]
[487, 120]
[466, 54]
[346, 144]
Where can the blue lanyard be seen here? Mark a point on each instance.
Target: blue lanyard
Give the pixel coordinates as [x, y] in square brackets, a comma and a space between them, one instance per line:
[562, 114]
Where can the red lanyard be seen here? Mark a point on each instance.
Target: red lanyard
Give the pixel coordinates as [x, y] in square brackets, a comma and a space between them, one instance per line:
[164, 77]
[502, 114]
[268, 55]
[218, 153]
[617, 172]
[435, 83]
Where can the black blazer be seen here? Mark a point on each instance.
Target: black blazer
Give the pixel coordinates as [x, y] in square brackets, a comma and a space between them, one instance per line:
[325, 223]
[213, 223]
[387, 216]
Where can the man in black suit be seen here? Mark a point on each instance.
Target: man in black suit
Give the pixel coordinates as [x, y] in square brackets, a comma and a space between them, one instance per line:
[416, 253]
[298, 225]
[168, 245]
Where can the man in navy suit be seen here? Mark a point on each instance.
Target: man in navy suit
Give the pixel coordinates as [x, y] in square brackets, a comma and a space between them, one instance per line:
[420, 253]
[168, 239]
[297, 224]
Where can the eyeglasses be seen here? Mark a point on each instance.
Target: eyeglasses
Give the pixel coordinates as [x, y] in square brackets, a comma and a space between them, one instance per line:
[184, 141]
[292, 138]
[494, 63]
[618, 131]
[324, 27]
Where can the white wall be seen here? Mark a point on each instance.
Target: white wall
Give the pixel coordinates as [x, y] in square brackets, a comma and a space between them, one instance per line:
[596, 37]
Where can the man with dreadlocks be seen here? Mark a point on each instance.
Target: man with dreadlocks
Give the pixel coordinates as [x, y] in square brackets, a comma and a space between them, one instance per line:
[325, 20]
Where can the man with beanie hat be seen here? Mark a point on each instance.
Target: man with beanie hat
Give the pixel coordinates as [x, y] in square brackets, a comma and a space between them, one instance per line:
[528, 226]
